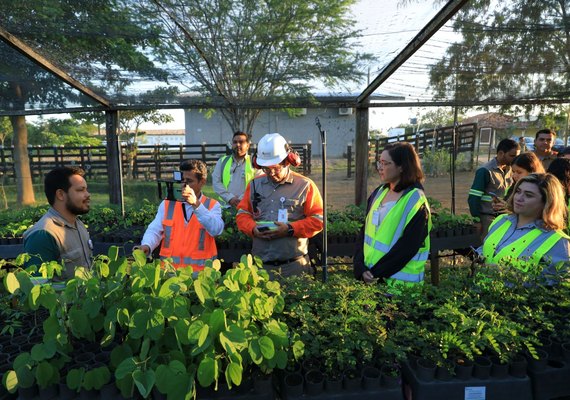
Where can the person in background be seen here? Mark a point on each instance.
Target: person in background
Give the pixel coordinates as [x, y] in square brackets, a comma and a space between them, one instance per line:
[186, 229]
[280, 210]
[233, 172]
[394, 242]
[523, 165]
[60, 235]
[543, 143]
[532, 235]
[560, 168]
[492, 180]
[564, 153]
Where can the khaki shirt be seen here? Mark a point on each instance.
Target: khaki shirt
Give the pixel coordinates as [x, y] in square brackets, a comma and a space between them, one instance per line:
[74, 245]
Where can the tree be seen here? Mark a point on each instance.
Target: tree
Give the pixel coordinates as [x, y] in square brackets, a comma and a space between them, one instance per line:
[510, 50]
[129, 129]
[5, 130]
[89, 38]
[248, 51]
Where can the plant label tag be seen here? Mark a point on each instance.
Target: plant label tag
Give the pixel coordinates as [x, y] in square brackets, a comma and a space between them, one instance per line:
[282, 215]
[475, 392]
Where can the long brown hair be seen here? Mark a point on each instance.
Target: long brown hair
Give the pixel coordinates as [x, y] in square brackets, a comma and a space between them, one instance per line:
[404, 156]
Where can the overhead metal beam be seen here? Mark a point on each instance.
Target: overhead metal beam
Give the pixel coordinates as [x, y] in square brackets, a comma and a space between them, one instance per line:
[31, 54]
[423, 36]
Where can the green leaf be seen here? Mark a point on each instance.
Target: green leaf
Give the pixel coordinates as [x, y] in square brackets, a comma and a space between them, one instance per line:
[155, 325]
[194, 331]
[10, 381]
[217, 322]
[207, 371]
[113, 253]
[298, 349]
[43, 351]
[140, 257]
[165, 290]
[125, 368]
[234, 373]
[75, 378]
[79, 323]
[144, 348]
[96, 378]
[34, 296]
[139, 324]
[157, 270]
[119, 354]
[267, 347]
[255, 352]
[144, 380]
[51, 327]
[203, 335]
[44, 374]
[11, 282]
[25, 376]
[281, 359]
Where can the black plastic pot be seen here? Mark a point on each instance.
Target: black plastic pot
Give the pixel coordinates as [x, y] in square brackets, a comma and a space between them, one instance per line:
[262, 383]
[352, 380]
[517, 366]
[499, 369]
[314, 382]
[390, 376]
[371, 378]
[333, 384]
[49, 392]
[293, 385]
[27, 393]
[540, 363]
[482, 368]
[463, 368]
[425, 369]
[443, 373]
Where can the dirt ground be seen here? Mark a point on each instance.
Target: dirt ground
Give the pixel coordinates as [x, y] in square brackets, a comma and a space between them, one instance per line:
[340, 188]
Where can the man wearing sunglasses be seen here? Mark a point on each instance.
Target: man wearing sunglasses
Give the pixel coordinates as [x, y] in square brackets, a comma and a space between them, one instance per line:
[234, 171]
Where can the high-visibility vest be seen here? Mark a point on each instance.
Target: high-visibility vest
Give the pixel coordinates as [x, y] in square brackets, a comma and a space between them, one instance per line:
[186, 243]
[513, 251]
[378, 240]
[227, 170]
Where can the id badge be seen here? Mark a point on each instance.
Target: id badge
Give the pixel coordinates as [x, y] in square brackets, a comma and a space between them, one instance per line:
[376, 217]
[282, 216]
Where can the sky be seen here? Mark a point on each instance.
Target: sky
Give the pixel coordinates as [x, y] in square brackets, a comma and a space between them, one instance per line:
[387, 26]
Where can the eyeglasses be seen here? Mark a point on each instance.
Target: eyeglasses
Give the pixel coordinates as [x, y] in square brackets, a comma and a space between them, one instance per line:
[382, 164]
[274, 170]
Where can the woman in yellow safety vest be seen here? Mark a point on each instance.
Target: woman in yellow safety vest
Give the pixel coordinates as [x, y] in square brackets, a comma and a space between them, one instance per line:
[532, 234]
[394, 242]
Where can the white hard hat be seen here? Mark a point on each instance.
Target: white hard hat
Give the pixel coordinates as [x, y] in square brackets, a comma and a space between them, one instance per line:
[271, 150]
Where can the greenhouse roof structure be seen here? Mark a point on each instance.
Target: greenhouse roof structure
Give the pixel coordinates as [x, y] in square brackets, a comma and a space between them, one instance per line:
[416, 53]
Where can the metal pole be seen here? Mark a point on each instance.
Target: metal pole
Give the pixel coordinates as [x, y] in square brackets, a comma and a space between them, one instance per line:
[324, 160]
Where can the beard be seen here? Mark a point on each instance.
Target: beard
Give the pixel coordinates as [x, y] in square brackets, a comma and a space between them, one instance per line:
[72, 208]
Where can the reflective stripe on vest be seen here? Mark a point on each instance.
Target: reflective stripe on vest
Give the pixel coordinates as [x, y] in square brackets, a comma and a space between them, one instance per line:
[513, 251]
[186, 242]
[227, 162]
[378, 240]
[188, 260]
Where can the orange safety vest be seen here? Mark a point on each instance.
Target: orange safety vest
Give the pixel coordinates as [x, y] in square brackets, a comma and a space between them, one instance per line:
[186, 243]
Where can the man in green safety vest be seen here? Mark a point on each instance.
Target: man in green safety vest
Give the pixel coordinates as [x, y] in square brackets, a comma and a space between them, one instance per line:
[234, 171]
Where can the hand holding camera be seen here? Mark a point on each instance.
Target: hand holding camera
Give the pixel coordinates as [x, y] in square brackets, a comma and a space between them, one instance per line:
[189, 196]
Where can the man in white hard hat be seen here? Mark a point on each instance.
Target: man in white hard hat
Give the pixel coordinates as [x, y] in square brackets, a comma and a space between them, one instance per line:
[281, 209]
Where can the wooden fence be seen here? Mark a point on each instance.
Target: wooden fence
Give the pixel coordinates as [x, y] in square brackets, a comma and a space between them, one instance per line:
[424, 140]
[148, 162]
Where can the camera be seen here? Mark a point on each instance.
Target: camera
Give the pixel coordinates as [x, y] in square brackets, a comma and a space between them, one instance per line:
[171, 187]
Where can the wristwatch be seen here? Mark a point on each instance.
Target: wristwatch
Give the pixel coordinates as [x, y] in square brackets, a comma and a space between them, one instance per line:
[290, 231]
